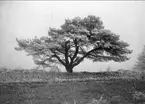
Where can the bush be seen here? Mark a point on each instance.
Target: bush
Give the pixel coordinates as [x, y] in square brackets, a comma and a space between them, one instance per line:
[139, 97]
[4, 69]
[100, 100]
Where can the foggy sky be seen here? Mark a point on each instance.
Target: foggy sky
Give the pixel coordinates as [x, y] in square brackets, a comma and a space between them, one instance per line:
[27, 19]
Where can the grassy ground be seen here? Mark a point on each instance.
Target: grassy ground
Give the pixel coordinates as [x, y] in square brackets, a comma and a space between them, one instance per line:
[70, 91]
[41, 87]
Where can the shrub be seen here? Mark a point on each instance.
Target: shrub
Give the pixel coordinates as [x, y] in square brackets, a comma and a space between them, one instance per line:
[115, 100]
[138, 95]
[101, 100]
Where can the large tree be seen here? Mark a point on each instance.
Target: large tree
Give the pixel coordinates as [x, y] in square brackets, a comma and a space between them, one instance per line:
[77, 39]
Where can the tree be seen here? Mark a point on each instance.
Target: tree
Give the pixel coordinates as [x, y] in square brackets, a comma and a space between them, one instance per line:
[140, 64]
[77, 39]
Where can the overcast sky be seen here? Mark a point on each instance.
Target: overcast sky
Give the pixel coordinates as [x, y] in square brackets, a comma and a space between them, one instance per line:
[27, 19]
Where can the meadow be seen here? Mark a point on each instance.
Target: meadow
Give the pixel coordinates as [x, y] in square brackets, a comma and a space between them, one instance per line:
[40, 87]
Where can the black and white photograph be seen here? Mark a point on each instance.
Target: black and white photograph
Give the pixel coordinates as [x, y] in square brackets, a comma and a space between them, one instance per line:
[72, 52]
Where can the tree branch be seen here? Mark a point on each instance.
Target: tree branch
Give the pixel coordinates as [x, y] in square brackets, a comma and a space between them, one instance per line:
[66, 53]
[63, 63]
[60, 51]
[76, 50]
[82, 58]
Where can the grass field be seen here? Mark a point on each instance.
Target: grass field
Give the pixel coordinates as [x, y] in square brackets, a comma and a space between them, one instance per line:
[71, 91]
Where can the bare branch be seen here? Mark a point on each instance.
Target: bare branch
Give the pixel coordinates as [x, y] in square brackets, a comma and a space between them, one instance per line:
[76, 50]
[63, 63]
[82, 58]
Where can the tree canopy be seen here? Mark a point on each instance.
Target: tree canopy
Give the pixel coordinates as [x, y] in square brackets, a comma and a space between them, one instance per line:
[75, 40]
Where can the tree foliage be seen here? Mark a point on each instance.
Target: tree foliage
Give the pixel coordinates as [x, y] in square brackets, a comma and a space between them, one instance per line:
[77, 39]
[140, 64]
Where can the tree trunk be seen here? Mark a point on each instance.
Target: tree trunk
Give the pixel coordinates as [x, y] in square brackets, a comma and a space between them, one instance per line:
[69, 69]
